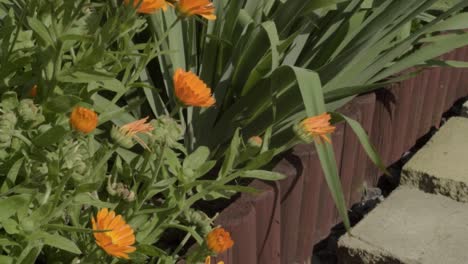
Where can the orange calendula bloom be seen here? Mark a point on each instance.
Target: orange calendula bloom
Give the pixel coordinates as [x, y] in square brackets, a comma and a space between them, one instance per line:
[219, 240]
[126, 133]
[315, 128]
[83, 119]
[148, 6]
[117, 242]
[202, 8]
[192, 91]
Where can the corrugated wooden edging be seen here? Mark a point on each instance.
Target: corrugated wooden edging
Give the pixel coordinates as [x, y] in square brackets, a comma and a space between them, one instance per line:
[282, 223]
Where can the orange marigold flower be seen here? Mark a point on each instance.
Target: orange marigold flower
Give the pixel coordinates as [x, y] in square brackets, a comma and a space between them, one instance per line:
[203, 8]
[33, 91]
[192, 91]
[83, 119]
[148, 6]
[315, 128]
[219, 240]
[126, 133]
[117, 242]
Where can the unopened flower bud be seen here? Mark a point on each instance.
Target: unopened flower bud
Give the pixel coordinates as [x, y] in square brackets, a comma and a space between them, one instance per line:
[255, 142]
[121, 138]
[111, 189]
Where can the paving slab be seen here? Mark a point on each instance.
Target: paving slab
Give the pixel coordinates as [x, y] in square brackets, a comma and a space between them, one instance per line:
[409, 227]
[441, 166]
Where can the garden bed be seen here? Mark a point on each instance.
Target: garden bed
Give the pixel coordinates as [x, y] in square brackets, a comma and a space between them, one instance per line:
[284, 221]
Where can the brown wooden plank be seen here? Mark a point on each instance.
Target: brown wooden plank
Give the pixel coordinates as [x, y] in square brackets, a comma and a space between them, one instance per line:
[417, 101]
[381, 135]
[267, 208]
[290, 200]
[459, 83]
[400, 122]
[239, 219]
[442, 92]
[309, 206]
[366, 104]
[348, 165]
[451, 82]
[421, 111]
[431, 97]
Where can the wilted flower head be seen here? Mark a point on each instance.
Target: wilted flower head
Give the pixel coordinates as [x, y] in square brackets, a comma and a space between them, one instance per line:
[202, 8]
[192, 91]
[83, 119]
[119, 241]
[125, 134]
[219, 240]
[148, 6]
[315, 128]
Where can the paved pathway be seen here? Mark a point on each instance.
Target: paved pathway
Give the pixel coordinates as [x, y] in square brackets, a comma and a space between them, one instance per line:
[424, 221]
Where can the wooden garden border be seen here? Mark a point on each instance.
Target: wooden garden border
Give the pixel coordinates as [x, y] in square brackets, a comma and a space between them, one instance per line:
[282, 223]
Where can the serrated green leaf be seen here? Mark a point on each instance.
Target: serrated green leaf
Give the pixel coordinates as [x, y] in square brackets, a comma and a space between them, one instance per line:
[50, 137]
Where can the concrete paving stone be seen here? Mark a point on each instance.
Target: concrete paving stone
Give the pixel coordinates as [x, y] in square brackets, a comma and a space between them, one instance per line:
[441, 166]
[409, 227]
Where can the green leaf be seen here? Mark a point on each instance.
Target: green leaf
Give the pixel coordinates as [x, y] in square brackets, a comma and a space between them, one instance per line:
[7, 242]
[261, 160]
[447, 63]
[41, 30]
[263, 175]
[196, 159]
[151, 251]
[6, 259]
[365, 142]
[10, 205]
[86, 198]
[11, 176]
[456, 22]
[50, 137]
[62, 103]
[231, 155]
[85, 77]
[57, 241]
[312, 96]
[72, 228]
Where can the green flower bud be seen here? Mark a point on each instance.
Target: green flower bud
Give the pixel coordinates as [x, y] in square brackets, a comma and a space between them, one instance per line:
[302, 134]
[29, 113]
[5, 141]
[111, 188]
[121, 138]
[3, 154]
[255, 142]
[16, 144]
[130, 196]
[8, 121]
[166, 129]
[9, 101]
